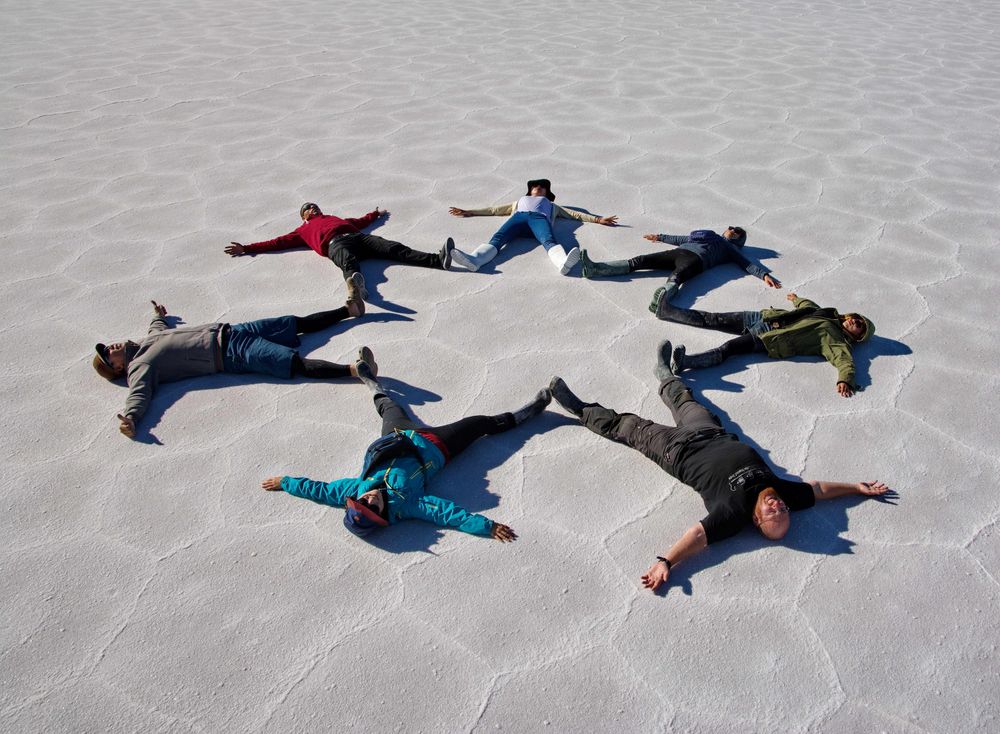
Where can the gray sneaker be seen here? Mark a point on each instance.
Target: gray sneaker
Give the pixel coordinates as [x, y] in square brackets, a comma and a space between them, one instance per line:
[356, 290]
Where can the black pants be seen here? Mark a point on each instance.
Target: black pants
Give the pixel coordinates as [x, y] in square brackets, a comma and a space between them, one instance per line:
[348, 250]
[455, 436]
[653, 440]
[684, 263]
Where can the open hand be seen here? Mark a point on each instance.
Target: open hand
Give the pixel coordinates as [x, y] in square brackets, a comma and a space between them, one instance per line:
[503, 533]
[272, 484]
[456, 212]
[873, 489]
[608, 221]
[235, 249]
[772, 282]
[127, 426]
[651, 237]
[657, 574]
[845, 390]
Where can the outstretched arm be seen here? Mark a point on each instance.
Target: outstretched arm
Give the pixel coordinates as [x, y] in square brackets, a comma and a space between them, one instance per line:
[285, 242]
[831, 490]
[489, 211]
[670, 239]
[693, 541]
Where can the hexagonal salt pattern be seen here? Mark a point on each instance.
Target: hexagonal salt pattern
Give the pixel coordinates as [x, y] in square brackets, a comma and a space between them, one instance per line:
[153, 585]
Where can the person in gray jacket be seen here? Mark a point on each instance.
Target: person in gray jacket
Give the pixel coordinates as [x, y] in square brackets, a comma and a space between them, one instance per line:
[266, 346]
[695, 253]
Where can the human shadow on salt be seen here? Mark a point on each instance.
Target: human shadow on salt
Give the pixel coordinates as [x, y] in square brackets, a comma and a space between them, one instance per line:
[819, 530]
[167, 394]
[464, 481]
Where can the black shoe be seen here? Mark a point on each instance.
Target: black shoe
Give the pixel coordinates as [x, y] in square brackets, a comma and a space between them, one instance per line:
[662, 370]
[535, 407]
[565, 397]
[449, 245]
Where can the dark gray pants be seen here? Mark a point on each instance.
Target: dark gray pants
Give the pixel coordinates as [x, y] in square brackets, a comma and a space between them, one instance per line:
[655, 441]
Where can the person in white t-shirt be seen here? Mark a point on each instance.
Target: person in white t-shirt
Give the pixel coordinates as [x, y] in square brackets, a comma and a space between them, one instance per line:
[534, 212]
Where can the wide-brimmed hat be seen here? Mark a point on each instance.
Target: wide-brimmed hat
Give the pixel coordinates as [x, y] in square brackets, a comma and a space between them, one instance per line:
[360, 519]
[541, 182]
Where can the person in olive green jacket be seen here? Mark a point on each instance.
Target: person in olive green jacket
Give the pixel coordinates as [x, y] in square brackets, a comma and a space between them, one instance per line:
[806, 330]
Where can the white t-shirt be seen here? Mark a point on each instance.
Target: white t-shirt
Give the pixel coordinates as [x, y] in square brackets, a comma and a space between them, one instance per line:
[540, 204]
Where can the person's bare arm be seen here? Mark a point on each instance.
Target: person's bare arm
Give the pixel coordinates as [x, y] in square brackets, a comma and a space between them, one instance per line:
[831, 490]
[693, 541]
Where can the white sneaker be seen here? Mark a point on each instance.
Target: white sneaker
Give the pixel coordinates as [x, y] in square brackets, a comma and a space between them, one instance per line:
[572, 258]
[476, 259]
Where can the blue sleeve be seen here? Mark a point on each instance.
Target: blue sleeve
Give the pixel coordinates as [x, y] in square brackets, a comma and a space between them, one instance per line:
[674, 239]
[758, 271]
[449, 515]
[333, 493]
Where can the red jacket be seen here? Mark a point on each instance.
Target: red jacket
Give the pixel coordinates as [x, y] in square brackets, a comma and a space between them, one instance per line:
[316, 233]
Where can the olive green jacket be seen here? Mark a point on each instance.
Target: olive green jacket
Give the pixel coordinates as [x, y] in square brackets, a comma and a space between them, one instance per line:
[812, 330]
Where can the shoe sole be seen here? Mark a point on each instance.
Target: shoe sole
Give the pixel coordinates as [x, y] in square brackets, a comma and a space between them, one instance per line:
[571, 260]
[368, 357]
[459, 257]
[359, 284]
[449, 249]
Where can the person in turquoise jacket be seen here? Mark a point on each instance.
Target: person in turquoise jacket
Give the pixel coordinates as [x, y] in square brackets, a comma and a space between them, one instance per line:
[392, 484]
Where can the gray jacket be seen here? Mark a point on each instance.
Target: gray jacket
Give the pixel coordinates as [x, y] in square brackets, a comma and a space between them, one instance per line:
[168, 355]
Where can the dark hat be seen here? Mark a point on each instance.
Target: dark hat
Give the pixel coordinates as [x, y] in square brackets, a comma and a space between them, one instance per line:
[307, 205]
[360, 519]
[101, 363]
[541, 182]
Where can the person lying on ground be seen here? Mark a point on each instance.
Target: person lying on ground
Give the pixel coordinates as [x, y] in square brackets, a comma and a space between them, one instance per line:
[533, 213]
[346, 245]
[808, 330]
[398, 467]
[265, 346]
[736, 485]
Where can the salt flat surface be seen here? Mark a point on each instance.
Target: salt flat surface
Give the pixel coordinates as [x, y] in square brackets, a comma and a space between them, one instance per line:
[152, 586]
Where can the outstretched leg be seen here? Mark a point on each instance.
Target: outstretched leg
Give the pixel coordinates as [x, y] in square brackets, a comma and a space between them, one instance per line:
[397, 251]
[322, 320]
[651, 439]
[319, 369]
[743, 344]
[457, 436]
[688, 413]
[731, 322]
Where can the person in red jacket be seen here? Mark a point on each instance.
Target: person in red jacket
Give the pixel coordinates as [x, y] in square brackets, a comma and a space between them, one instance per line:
[342, 241]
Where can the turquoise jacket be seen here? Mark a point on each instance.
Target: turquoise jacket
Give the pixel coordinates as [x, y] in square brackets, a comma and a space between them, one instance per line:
[405, 478]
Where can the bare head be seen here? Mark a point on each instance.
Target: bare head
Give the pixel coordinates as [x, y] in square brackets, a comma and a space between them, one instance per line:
[770, 514]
